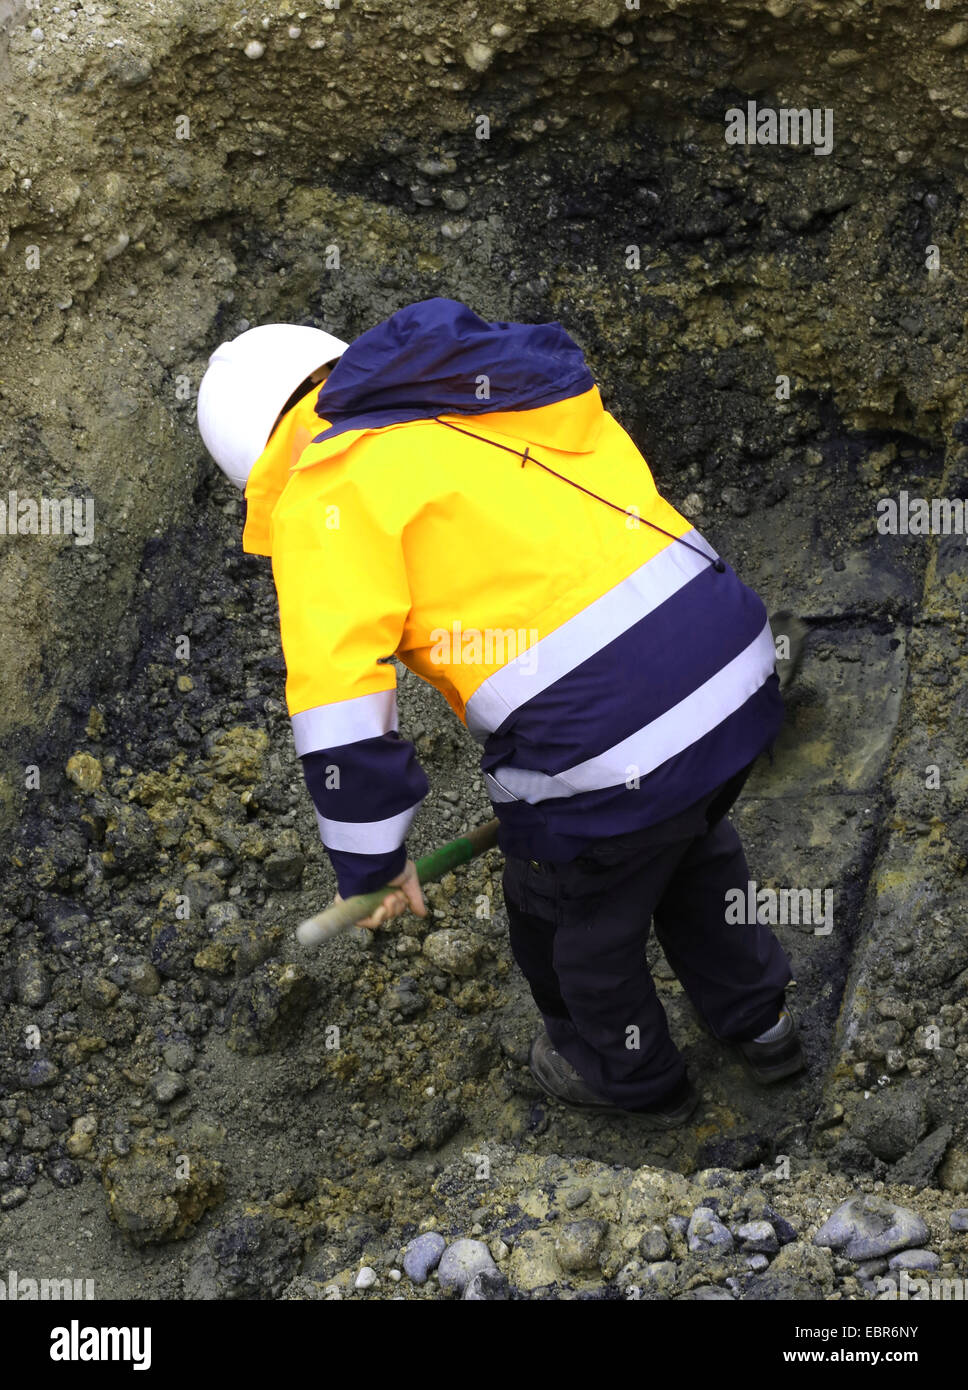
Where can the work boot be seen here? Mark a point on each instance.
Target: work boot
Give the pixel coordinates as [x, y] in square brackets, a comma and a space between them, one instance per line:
[559, 1079]
[775, 1054]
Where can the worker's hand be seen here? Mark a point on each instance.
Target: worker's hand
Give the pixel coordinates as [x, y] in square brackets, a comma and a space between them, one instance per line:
[409, 896]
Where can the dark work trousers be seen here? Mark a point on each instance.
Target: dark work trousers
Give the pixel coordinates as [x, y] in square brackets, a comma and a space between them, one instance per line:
[578, 931]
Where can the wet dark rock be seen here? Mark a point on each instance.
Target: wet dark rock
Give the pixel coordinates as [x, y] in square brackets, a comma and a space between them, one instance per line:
[129, 839]
[166, 1086]
[174, 944]
[265, 1006]
[919, 1168]
[893, 1121]
[488, 1286]
[40, 1071]
[284, 870]
[405, 998]
[64, 1172]
[252, 1257]
[758, 1237]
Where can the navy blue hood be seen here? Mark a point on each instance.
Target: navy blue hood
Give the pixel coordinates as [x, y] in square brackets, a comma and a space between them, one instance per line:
[427, 358]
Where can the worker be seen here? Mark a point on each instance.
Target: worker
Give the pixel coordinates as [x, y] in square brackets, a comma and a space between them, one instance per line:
[452, 491]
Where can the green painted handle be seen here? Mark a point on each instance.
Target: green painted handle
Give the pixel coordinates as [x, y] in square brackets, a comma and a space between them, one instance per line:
[430, 868]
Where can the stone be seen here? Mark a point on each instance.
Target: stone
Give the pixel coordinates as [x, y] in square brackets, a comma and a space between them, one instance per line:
[81, 1138]
[31, 982]
[953, 1175]
[366, 1278]
[579, 1245]
[143, 979]
[653, 1244]
[158, 1192]
[250, 1257]
[85, 772]
[422, 1256]
[862, 1228]
[915, 1259]
[758, 1237]
[893, 1121]
[919, 1167]
[489, 1286]
[461, 1261]
[804, 1265]
[166, 1086]
[267, 1005]
[454, 951]
[706, 1234]
[958, 1220]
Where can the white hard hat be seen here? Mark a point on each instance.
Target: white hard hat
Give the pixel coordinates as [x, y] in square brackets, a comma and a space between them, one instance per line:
[247, 383]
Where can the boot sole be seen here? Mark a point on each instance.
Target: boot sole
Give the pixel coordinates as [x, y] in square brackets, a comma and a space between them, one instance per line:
[762, 1075]
[648, 1119]
[769, 1075]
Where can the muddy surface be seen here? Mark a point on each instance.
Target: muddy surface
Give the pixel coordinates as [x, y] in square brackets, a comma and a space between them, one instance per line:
[190, 1104]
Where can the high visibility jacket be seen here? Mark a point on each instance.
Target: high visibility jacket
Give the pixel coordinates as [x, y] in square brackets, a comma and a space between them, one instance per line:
[456, 494]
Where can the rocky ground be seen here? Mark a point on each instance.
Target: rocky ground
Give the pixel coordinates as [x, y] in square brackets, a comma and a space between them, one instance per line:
[192, 1106]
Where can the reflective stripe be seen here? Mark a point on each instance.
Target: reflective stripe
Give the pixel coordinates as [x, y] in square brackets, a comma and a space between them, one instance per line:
[366, 837]
[658, 741]
[345, 721]
[585, 634]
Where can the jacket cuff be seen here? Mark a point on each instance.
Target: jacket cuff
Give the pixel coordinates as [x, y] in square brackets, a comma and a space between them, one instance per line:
[363, 873]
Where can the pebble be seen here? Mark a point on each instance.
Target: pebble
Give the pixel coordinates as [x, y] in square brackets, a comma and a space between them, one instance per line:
[707, 1234]
[31, 982]
[653, 1245]
[165, 1086]
[456, 952]
[81, 1139]
[759, 1237]
[488, 1286]
[422, 1256]
[579, 1243]
[143, 979]
[915, 1259]
[577, 1197]
[478, 56]
[958, 1221]
[461, 1261]
[956, 36]
[862, 1228]
[41, 1072]
[254, 49]
[366, 1278]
